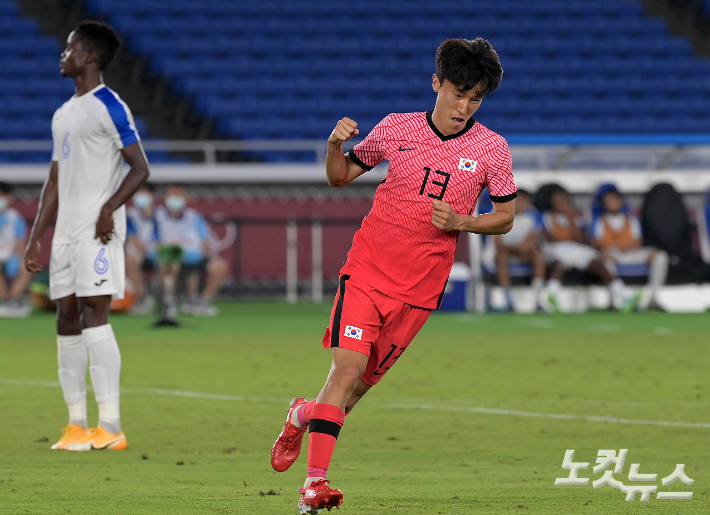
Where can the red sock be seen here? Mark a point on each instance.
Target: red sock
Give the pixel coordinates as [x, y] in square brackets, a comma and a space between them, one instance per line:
[326, 422]
[304, 413]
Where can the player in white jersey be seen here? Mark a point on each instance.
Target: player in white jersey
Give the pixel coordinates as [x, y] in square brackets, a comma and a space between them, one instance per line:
[93, 133]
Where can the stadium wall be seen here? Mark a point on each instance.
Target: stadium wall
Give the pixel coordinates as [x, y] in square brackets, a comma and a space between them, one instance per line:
[249, 205]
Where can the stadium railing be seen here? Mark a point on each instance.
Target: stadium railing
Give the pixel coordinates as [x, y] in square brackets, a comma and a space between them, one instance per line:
[537, 152]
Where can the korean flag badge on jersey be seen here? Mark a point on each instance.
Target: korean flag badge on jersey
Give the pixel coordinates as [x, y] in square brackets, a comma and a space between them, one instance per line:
[353, 332]
[467, 164]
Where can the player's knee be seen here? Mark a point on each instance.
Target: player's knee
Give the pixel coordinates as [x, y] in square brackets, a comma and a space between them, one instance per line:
[660, 257]
[68, 323]
[345, 376]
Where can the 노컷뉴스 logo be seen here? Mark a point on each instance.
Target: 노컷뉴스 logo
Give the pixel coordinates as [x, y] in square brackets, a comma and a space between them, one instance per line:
[607, 457]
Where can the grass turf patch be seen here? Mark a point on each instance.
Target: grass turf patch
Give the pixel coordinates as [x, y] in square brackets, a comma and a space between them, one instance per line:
[414, 445]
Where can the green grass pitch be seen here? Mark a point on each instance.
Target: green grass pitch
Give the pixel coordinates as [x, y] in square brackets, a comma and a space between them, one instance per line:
[438, 435]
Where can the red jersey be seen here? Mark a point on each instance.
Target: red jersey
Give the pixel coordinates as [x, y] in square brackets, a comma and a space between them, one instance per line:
[397, 250]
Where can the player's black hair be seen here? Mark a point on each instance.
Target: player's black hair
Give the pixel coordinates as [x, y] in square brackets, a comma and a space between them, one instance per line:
[5, 188]
[543, 197]
[99, 37]
[466, 63]
[522, 191]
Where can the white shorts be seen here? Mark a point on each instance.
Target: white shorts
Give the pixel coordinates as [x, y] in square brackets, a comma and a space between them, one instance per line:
[570, 253]
[639, 256]
[87, 268]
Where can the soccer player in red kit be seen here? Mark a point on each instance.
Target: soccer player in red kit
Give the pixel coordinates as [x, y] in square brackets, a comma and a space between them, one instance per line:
[400, 259]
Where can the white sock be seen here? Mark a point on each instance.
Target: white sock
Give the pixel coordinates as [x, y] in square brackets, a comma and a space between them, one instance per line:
[73, 362]
[294, 418]
[110, 416]
[555, 286]
[105, 372]
[618, 290]
[658, 271]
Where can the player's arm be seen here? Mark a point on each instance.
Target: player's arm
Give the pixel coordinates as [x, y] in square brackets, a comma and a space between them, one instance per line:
[339, 168]
[48, 204]
[137, 175]
[21, 235]
[500, 221]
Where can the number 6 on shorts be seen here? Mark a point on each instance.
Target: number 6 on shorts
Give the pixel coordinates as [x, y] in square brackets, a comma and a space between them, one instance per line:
[101, 263]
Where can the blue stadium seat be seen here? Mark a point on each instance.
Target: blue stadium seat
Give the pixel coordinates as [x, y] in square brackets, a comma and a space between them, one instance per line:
[288, 69]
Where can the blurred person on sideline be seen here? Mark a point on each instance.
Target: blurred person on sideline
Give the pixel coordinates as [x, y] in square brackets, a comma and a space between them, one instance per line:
[521, 245]
[566, 248]
[616, 233]
[14, 278]
[142, 246]
[184, 227]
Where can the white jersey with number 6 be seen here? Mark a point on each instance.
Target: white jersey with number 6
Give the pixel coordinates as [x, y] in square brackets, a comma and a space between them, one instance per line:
[88, 133]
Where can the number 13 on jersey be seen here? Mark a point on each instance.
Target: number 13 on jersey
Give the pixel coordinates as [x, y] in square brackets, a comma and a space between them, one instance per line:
[441, 186]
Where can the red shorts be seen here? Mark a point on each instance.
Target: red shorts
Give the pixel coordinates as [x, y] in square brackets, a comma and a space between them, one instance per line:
[368, 321]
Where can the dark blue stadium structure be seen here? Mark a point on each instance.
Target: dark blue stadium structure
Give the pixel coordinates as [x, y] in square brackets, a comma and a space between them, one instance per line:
[288, 69]
[31, 87]
[275, 69]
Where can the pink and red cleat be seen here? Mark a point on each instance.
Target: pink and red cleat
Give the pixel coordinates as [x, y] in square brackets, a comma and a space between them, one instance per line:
[284, 453]
[319, 495]
[288, 445]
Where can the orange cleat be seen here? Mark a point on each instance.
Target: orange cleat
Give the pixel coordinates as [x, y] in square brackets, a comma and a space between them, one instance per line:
[288, 445]
[318, 496]
[70, 434]
[98, 438]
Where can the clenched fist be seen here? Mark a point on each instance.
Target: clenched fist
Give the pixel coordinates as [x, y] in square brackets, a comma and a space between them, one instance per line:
[444, 217]
[344, 130]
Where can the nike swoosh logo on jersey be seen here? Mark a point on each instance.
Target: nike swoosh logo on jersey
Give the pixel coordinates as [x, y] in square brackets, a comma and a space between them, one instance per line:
[101, 282]
[404, 149]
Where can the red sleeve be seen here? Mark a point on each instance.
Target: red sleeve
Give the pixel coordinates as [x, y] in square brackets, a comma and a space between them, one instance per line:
[499, 175]
[371, 151]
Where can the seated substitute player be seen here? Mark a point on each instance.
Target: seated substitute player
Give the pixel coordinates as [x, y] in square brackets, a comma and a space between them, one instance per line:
[14, 279]
[93, 133]
[185, 227]
[141, 246]
[400, 259]
[616, 232]
[522, 246]
[566, 248]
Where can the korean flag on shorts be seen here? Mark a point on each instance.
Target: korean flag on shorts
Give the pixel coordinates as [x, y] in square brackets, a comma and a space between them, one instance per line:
[467, 164]
[353, 332]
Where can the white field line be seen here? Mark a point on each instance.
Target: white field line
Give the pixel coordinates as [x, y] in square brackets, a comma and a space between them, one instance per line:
[434, 407]
[156, 391]
[495, 411]
[605, 328]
